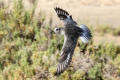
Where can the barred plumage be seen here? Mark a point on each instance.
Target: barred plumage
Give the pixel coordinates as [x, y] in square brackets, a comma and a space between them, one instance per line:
[71, 34]
[62, 14]
[66, 54]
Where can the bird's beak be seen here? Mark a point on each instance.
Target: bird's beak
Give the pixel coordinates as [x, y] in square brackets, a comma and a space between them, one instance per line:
[52, 32]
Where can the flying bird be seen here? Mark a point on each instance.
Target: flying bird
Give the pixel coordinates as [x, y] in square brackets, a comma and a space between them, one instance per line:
[71, 32]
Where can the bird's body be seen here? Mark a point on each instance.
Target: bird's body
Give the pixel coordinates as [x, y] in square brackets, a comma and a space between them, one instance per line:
[71, 34]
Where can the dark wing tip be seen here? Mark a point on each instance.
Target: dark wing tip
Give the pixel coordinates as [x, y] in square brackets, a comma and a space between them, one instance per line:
[62, 14]
[57, 74]
[55, 8]
[61, 10]
[63, 64]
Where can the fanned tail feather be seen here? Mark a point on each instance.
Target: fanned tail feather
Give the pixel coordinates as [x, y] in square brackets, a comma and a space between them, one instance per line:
[86, 34]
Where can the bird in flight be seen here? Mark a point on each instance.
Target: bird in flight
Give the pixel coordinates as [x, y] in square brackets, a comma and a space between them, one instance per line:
[71, 32]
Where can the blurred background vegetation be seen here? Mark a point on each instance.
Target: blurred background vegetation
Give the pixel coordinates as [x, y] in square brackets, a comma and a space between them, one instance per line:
[30, 51]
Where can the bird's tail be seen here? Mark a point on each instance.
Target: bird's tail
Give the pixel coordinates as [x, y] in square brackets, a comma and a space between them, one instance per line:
[86, 34]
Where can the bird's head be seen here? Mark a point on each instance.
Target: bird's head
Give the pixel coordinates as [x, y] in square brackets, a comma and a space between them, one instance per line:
[59, 31]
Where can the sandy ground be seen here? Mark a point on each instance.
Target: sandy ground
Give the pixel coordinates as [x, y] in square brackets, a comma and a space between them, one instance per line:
[85, 11]
[92, 12]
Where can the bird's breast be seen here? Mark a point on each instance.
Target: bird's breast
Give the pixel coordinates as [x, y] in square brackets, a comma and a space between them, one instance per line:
[71, 33]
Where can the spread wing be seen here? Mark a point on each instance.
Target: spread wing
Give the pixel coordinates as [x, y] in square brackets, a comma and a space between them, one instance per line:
[64, 15]
[66, 54]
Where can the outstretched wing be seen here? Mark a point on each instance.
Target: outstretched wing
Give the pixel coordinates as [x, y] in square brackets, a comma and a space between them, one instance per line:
[64, 15]
[66, 54]
[85, 35]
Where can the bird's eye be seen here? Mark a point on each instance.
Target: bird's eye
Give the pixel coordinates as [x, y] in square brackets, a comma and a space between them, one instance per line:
[57, 29]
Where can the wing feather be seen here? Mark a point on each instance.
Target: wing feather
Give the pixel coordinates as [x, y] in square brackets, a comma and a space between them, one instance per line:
[66, 55]
[64, 15]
